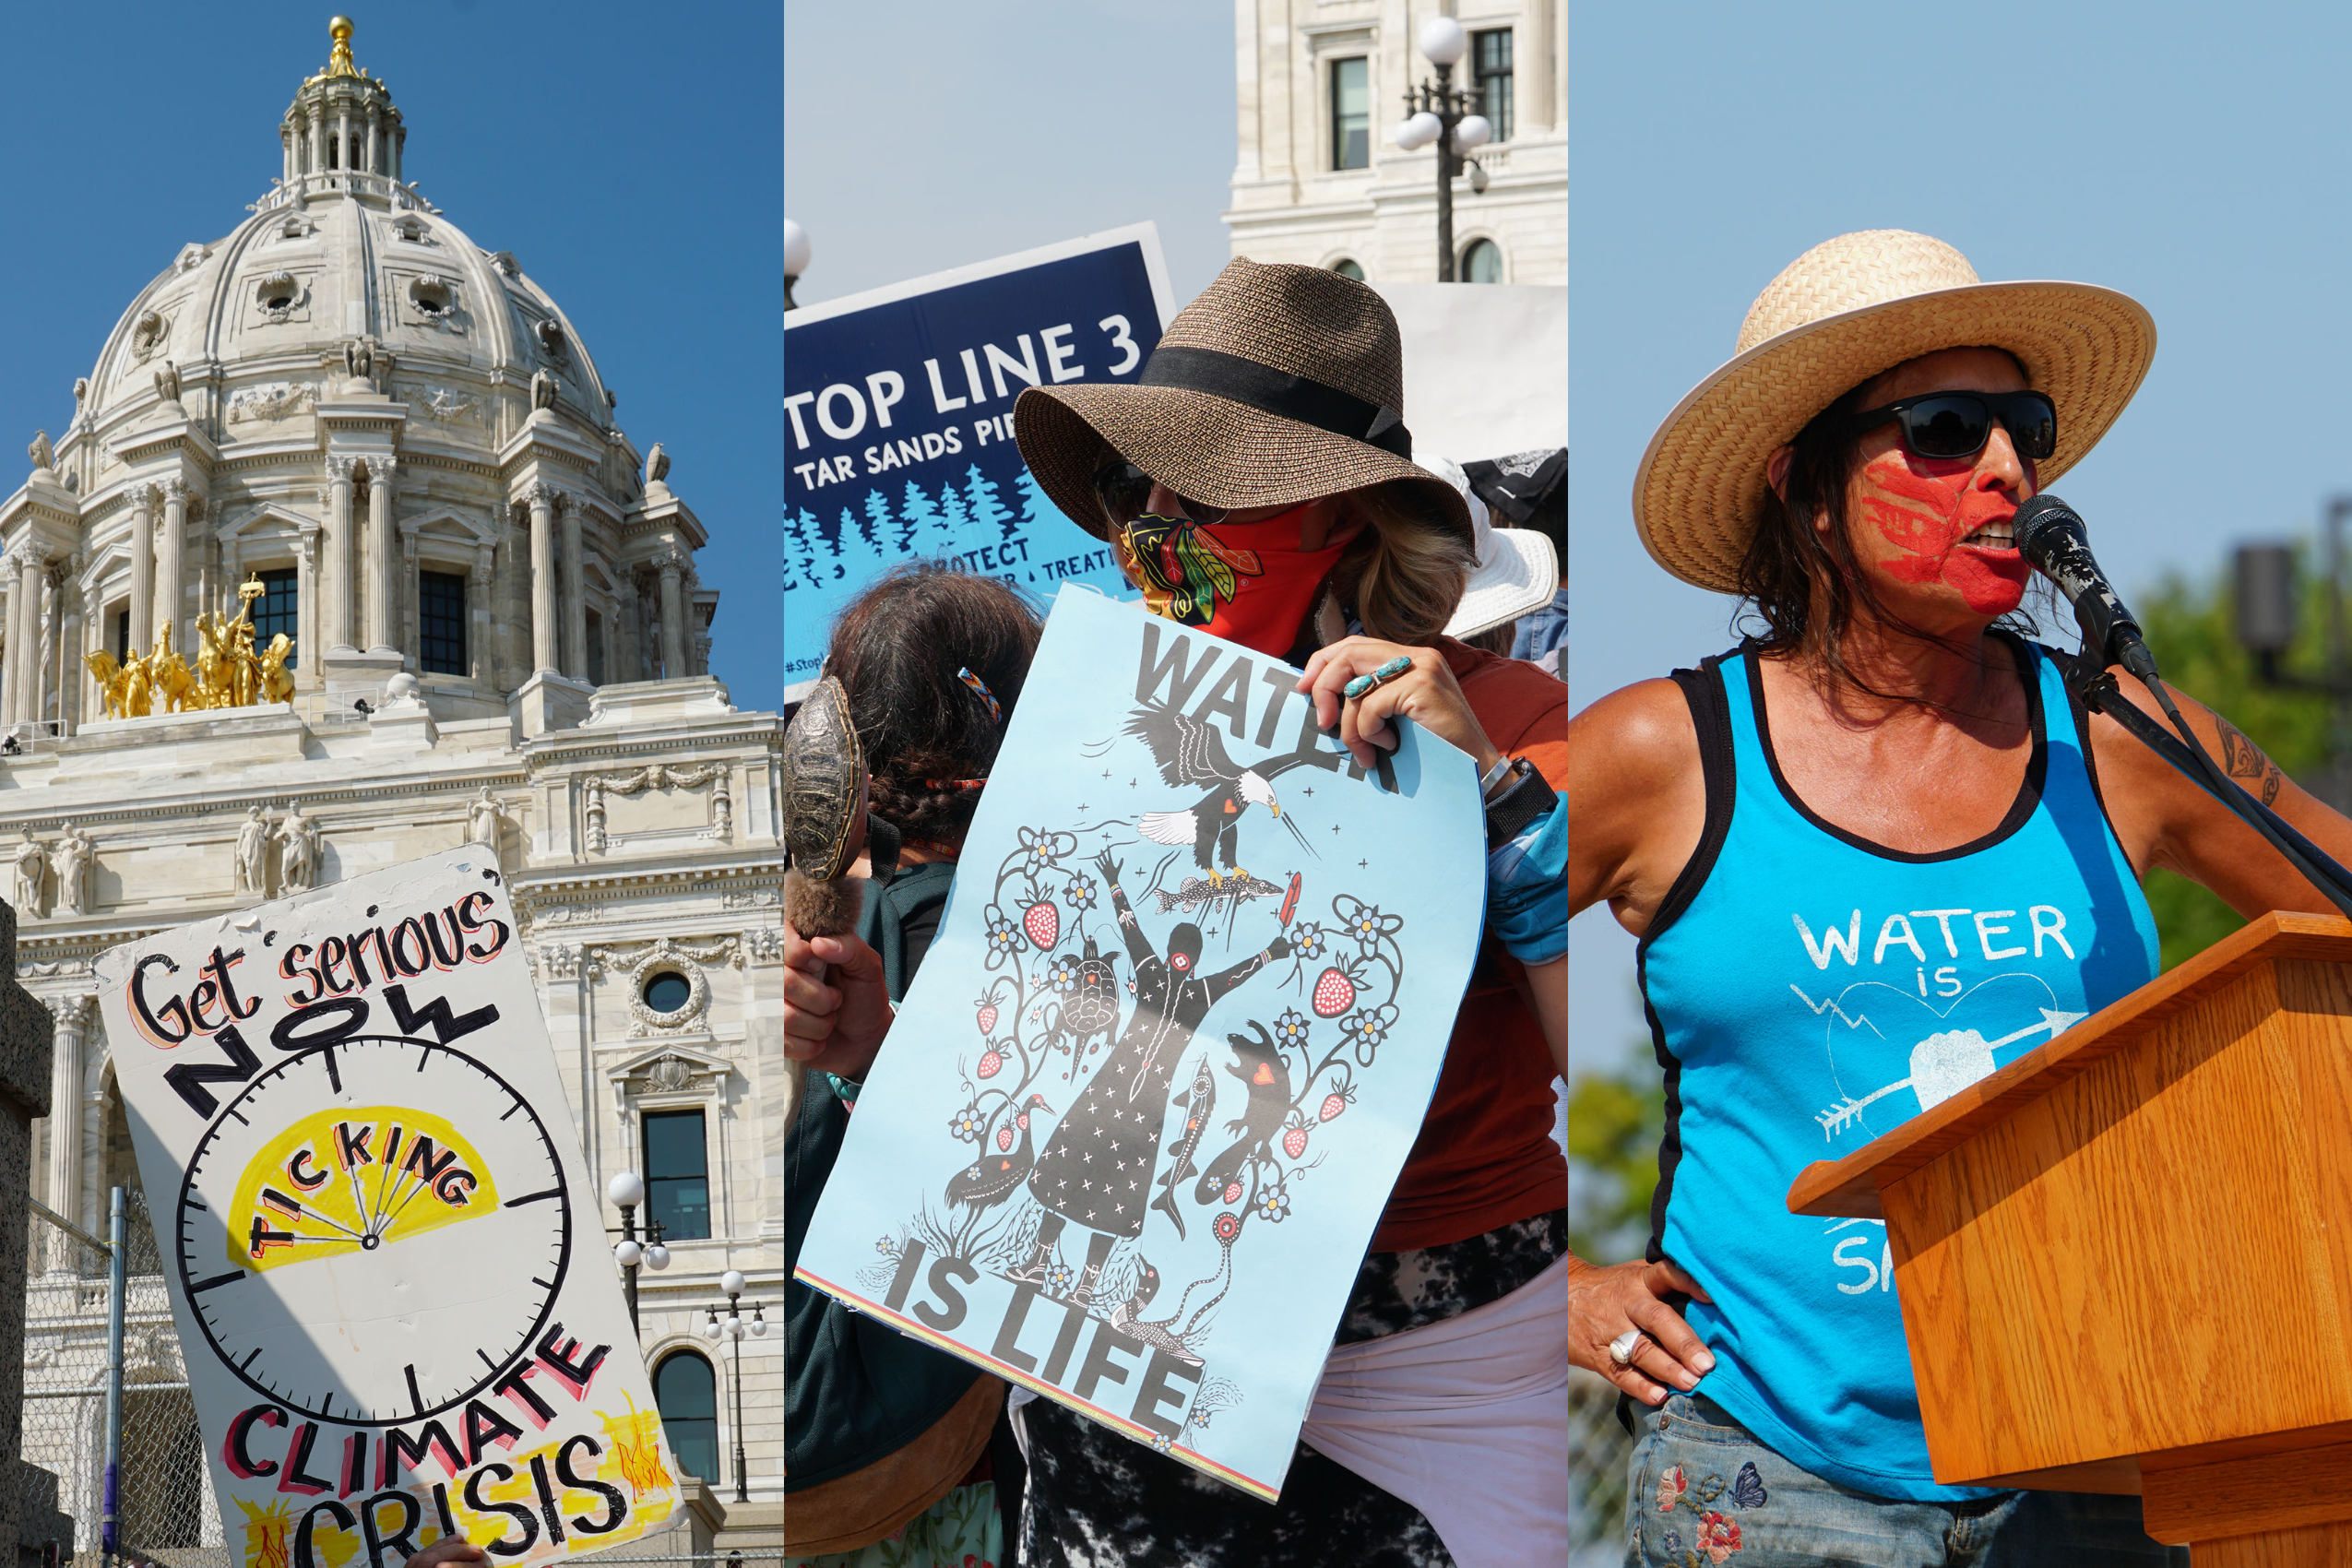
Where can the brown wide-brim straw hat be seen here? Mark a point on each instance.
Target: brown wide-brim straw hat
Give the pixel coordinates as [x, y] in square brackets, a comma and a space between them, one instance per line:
[1278, 384]
[1844, 311]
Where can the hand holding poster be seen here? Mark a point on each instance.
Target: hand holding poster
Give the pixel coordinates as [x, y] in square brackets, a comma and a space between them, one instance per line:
[898, 412]
[1146, 1100]
[384, 1254]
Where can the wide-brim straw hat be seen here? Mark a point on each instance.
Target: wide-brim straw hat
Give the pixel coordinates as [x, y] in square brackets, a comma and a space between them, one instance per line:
[1278, 384]
[1842, 313]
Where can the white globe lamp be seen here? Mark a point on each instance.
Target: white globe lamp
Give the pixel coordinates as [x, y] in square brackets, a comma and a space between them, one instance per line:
[627, 1253]
[731, 1282]
[626, 1190]
[1474, 131]
[1442, 41]
[797, 250]
[656, 1257]
[1418, 132]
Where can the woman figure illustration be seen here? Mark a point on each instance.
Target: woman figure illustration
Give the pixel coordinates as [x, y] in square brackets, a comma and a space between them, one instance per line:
[1097, 1166]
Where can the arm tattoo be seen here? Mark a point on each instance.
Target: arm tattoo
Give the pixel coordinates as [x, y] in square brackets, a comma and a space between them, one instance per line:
[2241, 759]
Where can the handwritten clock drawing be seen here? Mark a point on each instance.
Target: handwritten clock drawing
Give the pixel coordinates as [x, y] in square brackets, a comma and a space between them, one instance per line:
[375, 1170]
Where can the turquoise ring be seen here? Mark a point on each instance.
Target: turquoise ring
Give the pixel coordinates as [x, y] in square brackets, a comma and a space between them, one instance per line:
[1378, 678]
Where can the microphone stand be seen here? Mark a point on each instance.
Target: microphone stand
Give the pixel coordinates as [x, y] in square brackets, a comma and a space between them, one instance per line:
[2100, 694]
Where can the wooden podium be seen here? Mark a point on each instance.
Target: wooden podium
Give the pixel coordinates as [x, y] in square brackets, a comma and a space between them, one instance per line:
[2125, 1259]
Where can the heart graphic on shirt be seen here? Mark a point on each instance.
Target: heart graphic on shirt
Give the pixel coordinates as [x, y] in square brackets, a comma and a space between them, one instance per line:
[1883, 1041]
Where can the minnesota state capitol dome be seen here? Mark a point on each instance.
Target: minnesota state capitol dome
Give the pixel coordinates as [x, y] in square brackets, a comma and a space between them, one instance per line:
[350, 421]
[399, 432]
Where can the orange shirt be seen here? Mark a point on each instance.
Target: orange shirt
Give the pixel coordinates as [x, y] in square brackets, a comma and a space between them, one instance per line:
[1485, 1156]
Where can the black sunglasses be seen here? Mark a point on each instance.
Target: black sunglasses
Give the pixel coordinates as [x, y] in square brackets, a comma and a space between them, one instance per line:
[1957, 424]
[1124, 491]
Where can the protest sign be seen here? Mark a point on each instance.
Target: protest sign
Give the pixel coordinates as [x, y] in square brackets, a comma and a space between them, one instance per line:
[1147, 1098]
[898, 407]
[385, 1258]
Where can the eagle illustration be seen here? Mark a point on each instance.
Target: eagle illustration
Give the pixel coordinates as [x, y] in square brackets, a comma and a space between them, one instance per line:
[1190, 752]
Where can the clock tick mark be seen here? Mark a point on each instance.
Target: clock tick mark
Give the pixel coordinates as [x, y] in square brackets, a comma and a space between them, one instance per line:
[542, 1284]
[334, 1073]
[201, 1286]
[196, 1202]
[416, 1400]
[485, 1359]
[249, 1357]
[532, 1197]
[517, 1106]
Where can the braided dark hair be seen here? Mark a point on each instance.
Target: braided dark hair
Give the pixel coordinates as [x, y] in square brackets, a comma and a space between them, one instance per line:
[897, 648]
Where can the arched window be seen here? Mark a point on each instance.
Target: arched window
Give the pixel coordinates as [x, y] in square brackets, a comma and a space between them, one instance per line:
[1482, 262]
[1348, 267]
[687, 1392]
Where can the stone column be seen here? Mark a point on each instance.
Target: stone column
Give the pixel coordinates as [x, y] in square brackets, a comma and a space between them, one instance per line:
[543, 499]
[338, 632]
[66, 667]
[66, 1112]
[410, 616]
[307, 640]
[170, 566]
[24, 1094]
[374, 142]
[318, 144]
[622, 658]
[343, 139]
[143, 569]
[27, 633]
[11, 654]
[480, 615]
[574, 597]
[673, 615]
[383, 628]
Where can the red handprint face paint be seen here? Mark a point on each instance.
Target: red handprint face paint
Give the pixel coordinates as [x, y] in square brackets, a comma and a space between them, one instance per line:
[1929, 511]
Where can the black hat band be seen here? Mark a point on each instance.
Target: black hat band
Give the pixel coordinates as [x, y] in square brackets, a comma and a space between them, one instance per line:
[1279, 393]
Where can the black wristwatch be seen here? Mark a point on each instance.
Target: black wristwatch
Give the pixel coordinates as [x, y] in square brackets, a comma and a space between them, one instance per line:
[1524, 796]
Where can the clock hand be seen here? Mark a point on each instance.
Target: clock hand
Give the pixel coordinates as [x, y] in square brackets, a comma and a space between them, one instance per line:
[359, 1197]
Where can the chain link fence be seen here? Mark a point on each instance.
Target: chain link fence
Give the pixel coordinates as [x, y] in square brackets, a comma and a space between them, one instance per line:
[1599, 1449]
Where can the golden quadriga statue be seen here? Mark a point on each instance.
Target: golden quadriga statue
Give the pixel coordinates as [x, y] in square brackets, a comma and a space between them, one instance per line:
[228, 672]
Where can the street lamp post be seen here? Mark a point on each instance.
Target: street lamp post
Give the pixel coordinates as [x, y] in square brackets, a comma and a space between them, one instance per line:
[797, 252]
[2268, 601]
[1441, 113]
[627, 1190]
[733, 1327]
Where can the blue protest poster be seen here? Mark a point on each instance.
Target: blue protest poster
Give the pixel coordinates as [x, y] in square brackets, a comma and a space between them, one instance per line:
[1139, 1117]
[898, 422]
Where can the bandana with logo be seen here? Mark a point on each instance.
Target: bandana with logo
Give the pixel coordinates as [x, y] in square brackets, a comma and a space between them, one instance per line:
[1193, 576]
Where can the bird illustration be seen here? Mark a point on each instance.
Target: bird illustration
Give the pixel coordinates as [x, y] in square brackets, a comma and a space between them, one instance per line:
[1197, 1102]
[991, 1179]
[1258, 1063]
[1190, 752]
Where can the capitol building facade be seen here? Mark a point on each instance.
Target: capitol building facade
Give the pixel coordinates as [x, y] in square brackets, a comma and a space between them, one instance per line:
[359, 431]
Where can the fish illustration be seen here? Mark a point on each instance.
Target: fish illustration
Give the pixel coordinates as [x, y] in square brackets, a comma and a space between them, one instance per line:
[1197, 1101]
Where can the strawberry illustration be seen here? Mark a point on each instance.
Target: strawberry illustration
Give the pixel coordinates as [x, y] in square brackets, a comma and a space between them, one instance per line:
[991, 1062]
[1333, 1104]
[1043, 922]
[1004, 1139]
[1233, 1192]
[987, 1015]
[1294, 1142]
[1335, 993]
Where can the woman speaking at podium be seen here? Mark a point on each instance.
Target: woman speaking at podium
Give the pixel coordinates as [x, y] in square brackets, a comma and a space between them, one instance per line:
[1871, 854]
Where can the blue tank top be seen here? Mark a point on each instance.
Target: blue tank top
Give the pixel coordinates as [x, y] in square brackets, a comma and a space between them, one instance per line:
[1808, 991]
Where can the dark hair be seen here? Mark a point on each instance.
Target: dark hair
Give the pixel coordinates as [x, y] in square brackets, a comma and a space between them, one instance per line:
[1804, 582]
[896, 649]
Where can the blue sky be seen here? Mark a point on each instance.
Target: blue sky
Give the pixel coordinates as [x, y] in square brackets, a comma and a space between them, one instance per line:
[2192, 156]
[928, 133]
[628, 155]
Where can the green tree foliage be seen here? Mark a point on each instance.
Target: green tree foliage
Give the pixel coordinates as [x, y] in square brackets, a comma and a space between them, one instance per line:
[1615, 1119]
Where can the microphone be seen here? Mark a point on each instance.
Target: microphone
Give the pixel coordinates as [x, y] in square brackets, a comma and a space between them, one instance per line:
[2052, 539]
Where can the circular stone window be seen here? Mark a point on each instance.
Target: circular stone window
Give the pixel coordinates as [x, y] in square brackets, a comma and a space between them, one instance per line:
[432, 296]
[668, 992]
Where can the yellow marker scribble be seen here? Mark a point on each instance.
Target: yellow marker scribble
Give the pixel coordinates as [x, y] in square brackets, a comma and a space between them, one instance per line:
[343, 1180]
[268, 1535]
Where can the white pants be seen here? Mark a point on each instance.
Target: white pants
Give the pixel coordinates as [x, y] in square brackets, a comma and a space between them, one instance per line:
[1466, 1420]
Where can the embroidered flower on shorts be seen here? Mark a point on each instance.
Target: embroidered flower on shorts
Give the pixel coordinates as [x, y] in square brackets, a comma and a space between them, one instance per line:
[1671, 1488]
[1718, 1537]
[1673, 1544]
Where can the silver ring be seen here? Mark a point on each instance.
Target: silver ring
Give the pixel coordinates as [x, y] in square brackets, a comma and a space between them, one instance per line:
[1622, 1348]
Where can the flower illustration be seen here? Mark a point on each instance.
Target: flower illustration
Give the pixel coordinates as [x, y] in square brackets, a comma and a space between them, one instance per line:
[1673, 1545]
[1063, 975]
[1038, 855]
[1291, 1029]
[967, 1124]
[1366, 925]
[1078, 893]
[882, 1245]
[1671, 1488]
[1275, 1206]
[1059, 1276]
[1367, 1028]
[1003, 935]
[1718, 1537]
[1160, 1443]
[1227, 1226]
[1306, 940]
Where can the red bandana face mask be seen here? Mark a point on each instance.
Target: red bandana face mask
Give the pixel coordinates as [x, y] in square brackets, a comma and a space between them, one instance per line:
[1196, 575]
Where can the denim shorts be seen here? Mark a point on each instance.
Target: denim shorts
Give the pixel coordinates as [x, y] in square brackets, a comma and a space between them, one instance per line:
[1705, 1491]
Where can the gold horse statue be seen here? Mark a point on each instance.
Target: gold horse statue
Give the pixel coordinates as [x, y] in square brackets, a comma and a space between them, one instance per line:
[128, 690]
[277, 682]
[173, 689]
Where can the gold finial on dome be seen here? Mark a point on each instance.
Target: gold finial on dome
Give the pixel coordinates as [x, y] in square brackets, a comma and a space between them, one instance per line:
[340, 63]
